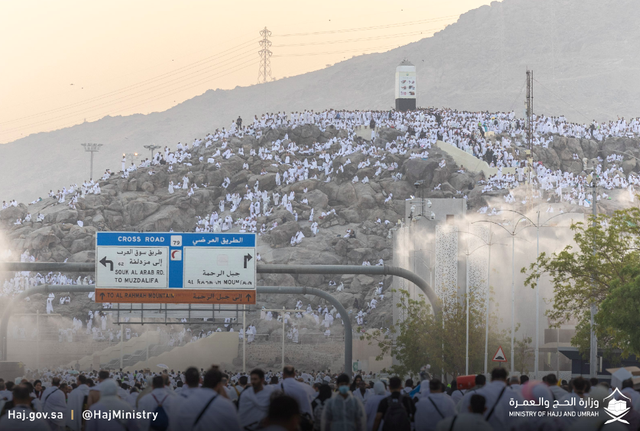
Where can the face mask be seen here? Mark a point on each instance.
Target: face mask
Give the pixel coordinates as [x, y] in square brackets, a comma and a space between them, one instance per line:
[343, 389]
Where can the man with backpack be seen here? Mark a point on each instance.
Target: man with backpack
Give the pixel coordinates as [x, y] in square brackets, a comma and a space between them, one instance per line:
[497, 397]
[471, 420]
[206, 409]
[396, 410]
[301, 393]
[158, 401]
[77, 402]
[434, 407]
[22, 406]
[253, 402]
[110, 402]
[344, 411]
[54, 402]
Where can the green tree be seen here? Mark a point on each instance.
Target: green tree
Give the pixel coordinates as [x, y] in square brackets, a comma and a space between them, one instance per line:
[587, 273]
[420, 338]
[619, 314]
[523, 353]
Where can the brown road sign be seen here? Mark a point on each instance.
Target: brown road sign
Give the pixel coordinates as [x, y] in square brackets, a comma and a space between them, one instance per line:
[175, 296]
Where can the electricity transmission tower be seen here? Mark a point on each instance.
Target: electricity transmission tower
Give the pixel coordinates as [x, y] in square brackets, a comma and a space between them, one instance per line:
[91, 148]
[264, 73]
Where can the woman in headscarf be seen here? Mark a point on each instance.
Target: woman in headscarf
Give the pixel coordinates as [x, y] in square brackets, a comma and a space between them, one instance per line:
[324, 393]
[109, 402]
[356, 382]
[371, 408]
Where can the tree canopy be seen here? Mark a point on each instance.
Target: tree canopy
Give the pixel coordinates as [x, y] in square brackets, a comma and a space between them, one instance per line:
[606, 251]
[421, 338]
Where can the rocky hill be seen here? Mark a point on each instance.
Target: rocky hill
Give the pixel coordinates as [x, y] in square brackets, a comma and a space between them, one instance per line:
[582, 52]
[142, 202]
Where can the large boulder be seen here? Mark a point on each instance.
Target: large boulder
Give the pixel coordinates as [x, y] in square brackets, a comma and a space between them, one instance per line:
[347, 194]
[13, 213]
[67, 216]
[42, 238]
[317, 199]
[281, 235]
[462, 181]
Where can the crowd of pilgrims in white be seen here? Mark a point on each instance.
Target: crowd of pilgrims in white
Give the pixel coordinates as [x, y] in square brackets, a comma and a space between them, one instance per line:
[421, 129]
[318, 400]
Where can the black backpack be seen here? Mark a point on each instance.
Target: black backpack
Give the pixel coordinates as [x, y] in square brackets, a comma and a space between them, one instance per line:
[396, 418]
[161, 423]
[306, 421]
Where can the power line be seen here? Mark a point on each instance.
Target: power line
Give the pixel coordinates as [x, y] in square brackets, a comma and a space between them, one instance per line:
[555, 95]
[244, 66]
[137, 85]
[112, 78]
[379, 48]
[98, 116]
[517, 97]
[377, 27]
[391, 36]
[73, 114]
[175, 80]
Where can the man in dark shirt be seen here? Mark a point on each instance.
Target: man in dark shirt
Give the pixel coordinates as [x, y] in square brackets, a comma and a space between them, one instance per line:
[395, 386]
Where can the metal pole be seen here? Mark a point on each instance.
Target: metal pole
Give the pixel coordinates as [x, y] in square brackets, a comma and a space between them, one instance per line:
[283, 337]
[147, 336]
[37, 339]
[535, 366]
[558, 352]
[244, 339]
[466, 368]
[593, 353]
[91, 170]
[486, 321]
[348, 332]
[261, 269]
[356, 269]
[121, 343]
[513, 297]
[286, 290]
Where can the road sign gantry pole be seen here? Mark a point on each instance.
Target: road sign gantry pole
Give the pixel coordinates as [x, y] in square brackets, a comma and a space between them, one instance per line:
[264, 269]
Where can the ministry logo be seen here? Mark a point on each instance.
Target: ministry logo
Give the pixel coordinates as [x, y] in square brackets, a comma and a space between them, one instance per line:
[617, 406]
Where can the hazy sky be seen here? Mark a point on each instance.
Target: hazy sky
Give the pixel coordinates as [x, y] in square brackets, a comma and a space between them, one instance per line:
[67, 61]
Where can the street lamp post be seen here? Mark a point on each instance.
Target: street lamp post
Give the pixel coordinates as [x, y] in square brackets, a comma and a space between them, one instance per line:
[91, 148]
[486, 317]
[467, 295]
[593, 348]
[513, 280]
[468, 253]
[537, 225]
[282, 310]
[151, 148]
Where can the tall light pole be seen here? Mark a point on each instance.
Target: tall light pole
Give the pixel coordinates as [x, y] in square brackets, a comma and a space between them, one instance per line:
[91, 148]
[468, 253]
[593, 348]
[513, 234]
[537, 225]
[151, 148]
[486, 317]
